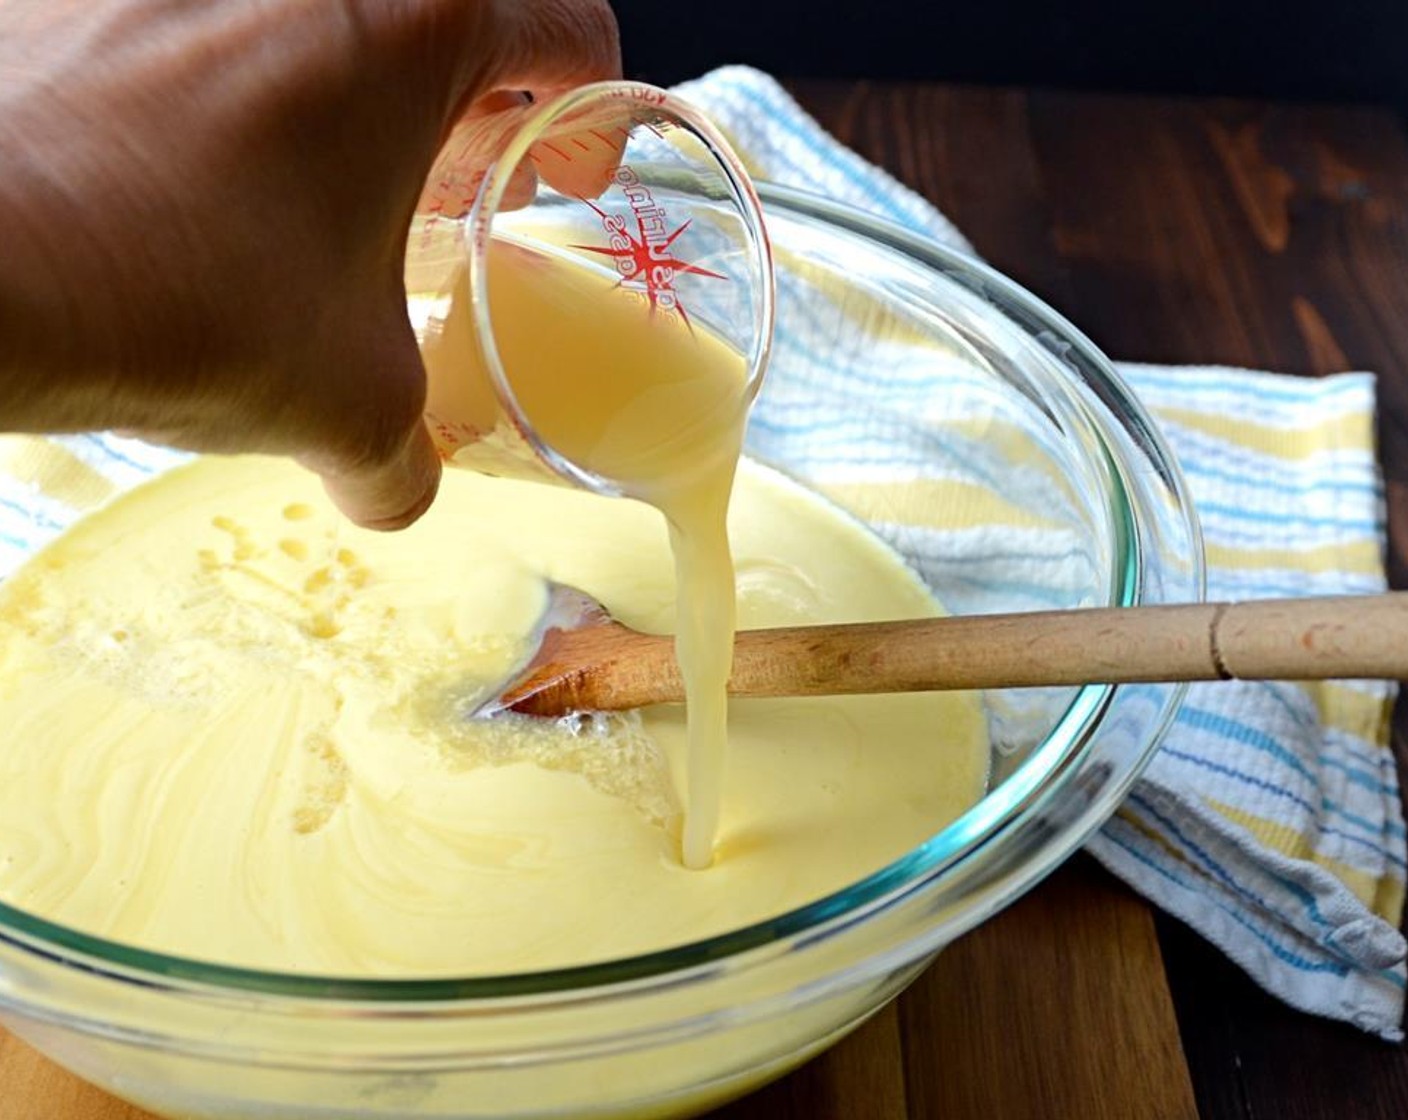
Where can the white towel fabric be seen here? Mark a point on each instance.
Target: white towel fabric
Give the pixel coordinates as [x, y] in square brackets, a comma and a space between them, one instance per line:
[1270, 820]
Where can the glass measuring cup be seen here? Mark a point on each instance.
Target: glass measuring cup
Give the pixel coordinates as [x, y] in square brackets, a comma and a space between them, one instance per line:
[632, 194]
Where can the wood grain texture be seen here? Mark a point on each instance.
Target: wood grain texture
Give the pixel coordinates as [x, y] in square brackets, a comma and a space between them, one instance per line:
[1074, 957]
[607, 666]
[32, 1088]
[1252, 1059]
[862, 1076]
[1048, 1011]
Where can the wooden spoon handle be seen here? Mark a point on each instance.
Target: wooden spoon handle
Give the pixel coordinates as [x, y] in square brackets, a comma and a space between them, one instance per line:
[1291, 639]
[1279, 639]
[611, 668]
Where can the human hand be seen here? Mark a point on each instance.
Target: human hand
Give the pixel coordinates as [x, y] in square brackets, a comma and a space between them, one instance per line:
[204, 209]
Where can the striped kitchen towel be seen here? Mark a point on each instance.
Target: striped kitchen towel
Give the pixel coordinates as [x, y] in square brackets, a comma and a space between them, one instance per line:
[1270, 819]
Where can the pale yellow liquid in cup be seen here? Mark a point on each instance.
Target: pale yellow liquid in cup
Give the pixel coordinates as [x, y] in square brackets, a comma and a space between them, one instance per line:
[635, 395]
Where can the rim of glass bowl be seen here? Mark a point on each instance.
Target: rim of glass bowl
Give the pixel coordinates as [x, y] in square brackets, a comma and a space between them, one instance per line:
[1041, 777]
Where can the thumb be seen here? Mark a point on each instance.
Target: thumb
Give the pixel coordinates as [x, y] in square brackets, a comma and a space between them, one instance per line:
[375, 456]
[392, 493]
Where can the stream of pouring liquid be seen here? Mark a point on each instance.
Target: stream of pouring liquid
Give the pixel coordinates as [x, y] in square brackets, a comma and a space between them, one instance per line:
[645, 399]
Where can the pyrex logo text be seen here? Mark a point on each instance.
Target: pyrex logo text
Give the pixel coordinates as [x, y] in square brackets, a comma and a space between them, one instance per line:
[644, 256]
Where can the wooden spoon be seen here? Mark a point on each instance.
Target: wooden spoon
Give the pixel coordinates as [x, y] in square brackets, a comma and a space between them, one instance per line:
[588, 661]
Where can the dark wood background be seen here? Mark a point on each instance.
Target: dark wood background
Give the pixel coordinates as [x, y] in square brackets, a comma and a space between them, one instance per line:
[1327, 50]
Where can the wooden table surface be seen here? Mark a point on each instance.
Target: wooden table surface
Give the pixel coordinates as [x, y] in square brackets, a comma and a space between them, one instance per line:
[1170, 231]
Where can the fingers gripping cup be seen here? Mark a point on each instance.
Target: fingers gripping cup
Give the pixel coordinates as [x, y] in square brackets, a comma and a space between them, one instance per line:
[591, 284]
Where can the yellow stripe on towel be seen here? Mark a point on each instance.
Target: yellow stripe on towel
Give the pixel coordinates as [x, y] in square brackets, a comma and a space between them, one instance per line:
[53, 470]
[1384, 896]
[1360, 557]
[1361, 714]
[1351, 430]
[933, 503]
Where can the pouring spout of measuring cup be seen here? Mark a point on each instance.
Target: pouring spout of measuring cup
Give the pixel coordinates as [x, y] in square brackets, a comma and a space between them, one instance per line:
[552, 242]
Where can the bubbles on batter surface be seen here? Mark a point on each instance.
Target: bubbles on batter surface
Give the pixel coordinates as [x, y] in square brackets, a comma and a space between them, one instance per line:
[325, 787]
[613, 751]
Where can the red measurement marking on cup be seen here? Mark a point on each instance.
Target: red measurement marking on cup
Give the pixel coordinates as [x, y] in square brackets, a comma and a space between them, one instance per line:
[450, 198]
[450, 435]
[645, 259]
[645, 95]
[460, 176]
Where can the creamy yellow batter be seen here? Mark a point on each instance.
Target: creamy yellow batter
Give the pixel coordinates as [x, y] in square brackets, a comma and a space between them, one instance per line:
[234, 730]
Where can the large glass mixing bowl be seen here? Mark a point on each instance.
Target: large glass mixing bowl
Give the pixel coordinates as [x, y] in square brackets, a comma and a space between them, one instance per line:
[1022, 413]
